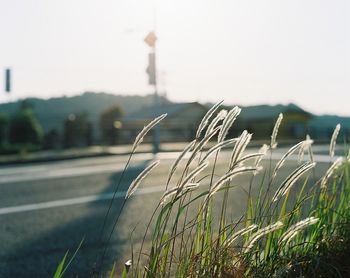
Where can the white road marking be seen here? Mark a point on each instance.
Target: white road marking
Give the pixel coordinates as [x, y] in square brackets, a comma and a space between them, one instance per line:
[57, 171]
[32, 173]
[93, 169]
[60, 173]
[76, 201]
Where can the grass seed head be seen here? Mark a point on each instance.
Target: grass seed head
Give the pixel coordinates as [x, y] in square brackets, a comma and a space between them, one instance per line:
[228, 177]
[145, 130]
[240, 147]
[179, 158]
[128, 263]
[334, 140]
[228, 122]
[292, 179]
[239, 233]
[306, 145]
[218, 147]
[199, 146]
[336, 164]
[293, 230]
[205, 119]
[135, 184]
[192, 175]
[285, 156]
[171, 192]
[260, 233]
[219, 117]
[273, 143]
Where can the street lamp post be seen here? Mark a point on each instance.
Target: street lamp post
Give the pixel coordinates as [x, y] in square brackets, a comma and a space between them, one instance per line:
[150, 40]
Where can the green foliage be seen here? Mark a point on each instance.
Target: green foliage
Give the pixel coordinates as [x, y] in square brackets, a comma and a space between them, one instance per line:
[59, 270]
[4, 121]
[63, 266]
[110, 124]
[302, 229]
[111, 275]
[286, 235]
[52, 112]
[125, 271]
[24, 128]
[52, 139]
[21, 149]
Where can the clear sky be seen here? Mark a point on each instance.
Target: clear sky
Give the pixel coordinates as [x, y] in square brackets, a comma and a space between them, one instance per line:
[245, 52]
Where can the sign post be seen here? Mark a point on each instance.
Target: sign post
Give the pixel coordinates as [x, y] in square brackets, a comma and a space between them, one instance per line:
[151, 70]
[7, 80]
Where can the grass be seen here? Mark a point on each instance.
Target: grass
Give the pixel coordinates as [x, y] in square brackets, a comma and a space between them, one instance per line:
[299, 228]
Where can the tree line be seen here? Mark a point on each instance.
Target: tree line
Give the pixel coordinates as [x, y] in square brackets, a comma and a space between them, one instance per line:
[22, 132]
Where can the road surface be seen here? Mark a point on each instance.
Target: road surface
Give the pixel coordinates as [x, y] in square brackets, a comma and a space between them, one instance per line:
[46, 209]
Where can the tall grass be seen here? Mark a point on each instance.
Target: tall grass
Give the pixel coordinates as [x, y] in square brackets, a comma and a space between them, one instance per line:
[282, 230]
[297, 227]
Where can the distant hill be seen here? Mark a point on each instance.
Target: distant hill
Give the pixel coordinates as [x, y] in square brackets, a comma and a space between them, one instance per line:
[52, 112]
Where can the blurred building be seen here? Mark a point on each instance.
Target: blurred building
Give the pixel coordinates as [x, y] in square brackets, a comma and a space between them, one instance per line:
[180, 124]
[260, 120]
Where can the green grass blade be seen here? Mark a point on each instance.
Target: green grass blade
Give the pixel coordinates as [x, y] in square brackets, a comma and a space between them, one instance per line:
[112, 271]
[59, 269]
[73, 257]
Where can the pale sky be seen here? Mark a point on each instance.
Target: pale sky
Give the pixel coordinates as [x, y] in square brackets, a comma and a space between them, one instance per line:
[244, 52]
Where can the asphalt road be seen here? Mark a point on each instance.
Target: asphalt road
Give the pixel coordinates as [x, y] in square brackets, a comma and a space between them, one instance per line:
[46, 209]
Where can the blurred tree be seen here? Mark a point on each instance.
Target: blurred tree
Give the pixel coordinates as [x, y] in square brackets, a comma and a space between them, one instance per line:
[52, 139]
[26, 104]
[77, 131]
[89, 138]
[4, 122]
[110, 124]
[25, 128]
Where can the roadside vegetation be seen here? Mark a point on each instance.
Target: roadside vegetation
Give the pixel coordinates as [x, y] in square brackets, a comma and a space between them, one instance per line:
[297, 228]
[22, 133]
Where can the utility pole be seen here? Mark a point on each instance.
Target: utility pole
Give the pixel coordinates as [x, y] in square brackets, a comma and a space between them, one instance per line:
[151, 70]
[7, 80]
